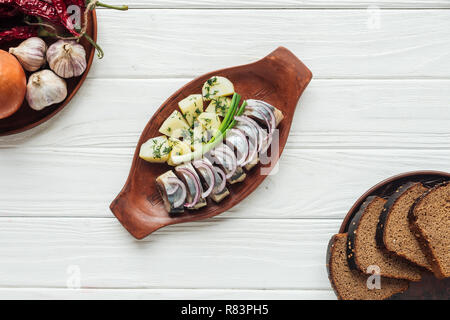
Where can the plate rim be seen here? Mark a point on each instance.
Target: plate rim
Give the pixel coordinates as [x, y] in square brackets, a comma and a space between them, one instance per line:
[354, 209]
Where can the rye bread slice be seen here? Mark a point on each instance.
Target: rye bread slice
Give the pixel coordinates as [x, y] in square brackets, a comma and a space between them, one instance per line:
[393, 231]
[430, 220]
[362, 251]
[352, 284]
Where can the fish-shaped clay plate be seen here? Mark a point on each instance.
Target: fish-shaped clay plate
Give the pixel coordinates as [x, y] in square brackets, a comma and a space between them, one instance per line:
[279, 79]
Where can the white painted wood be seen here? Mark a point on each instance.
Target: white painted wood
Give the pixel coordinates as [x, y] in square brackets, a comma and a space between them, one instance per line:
[378, 106]
[176, 4]
[164, 294]
[215, 254]
[82, 182]
[332, 114]
[343, 130]
[333, 43]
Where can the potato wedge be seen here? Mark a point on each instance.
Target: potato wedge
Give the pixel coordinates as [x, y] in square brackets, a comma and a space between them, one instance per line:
[156, 150]
[179, 148]
[217, 87]
[219, 106]
[200, 136]
[174, 124]
[210, 121]
[191, 107]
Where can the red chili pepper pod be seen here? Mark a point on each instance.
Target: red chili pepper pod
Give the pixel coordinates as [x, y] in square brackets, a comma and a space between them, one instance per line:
[61, 9]
[18, 33]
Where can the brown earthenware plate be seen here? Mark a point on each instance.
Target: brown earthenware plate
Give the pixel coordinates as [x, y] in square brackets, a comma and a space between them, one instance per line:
[430, 287]
[26, 118]
[280, 79]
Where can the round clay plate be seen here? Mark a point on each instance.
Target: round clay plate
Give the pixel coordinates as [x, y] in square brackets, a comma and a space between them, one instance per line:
[430, 287]
[26, 118]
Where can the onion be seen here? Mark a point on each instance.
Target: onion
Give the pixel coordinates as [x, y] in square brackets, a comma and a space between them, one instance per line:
[201, 164]
[267, 120]
[252, 123]
[179, 185]
[265, 144]
[241, 135]
[223, 184]
[269, 108]
[223, 152]
[253, 127]
[196, 183]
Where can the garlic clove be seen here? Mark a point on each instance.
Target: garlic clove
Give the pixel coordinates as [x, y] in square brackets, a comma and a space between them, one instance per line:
[67, 58]
[31, 53]
[44, 89]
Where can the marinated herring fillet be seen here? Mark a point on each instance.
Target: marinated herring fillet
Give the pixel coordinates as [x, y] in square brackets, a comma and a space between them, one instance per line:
[210, 149]
[173, 192]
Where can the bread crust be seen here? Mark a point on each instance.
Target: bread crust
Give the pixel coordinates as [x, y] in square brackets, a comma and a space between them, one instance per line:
[351, 238]
[329, 262]
[421, 236]
[384, 220]
[353, 258]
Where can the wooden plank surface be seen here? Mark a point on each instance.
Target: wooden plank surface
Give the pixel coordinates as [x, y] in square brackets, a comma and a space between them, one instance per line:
[343, 130]
[309, 183]
[215, 254]
[163, 294]
[405, 44]
[378, 106]
[277, 4]
[332, 114]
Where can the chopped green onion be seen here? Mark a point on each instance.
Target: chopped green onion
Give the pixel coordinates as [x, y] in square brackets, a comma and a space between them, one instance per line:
[238, 114]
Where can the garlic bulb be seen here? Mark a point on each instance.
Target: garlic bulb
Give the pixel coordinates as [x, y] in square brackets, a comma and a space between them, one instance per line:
[67, 58]
[45, 88]
[30, 53]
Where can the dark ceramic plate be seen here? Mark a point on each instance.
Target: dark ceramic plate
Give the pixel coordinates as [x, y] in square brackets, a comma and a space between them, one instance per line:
[26, 118]
[430, 287]
[279, 79]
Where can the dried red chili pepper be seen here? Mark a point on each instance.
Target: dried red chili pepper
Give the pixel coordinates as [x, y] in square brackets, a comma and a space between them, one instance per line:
[79, 3]
[35, 8]
[61, 9]
[18, 33]
[6, 12]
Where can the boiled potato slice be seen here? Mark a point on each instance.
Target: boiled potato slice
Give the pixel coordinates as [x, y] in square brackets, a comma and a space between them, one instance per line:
[179, 148]
[174, 124]
[210, 121]
[217, 87]
[191, 107]
[184, 135]
[200, 136]
[219, 106]
[156, 150]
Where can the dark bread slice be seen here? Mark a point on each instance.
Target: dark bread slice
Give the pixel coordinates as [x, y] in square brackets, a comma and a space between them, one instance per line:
[393, 231]
[352, 284]
[430, 220]
[363, 252]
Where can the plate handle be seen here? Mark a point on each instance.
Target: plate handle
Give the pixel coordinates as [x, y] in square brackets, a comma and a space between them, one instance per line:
[295, 72]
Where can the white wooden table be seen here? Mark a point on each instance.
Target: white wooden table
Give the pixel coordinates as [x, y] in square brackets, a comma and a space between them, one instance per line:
[378, 106]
